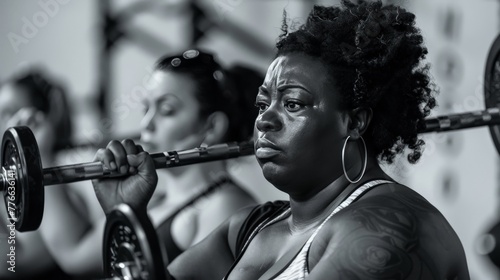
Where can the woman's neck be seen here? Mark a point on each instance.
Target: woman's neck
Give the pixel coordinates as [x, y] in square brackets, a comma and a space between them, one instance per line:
[307, 214]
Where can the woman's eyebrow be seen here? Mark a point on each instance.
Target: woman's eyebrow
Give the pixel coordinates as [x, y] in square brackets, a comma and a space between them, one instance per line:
[263, 89]
[292, 85]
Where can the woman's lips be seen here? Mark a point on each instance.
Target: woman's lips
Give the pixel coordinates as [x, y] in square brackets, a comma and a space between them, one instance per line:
[266, 149]
[266, 152]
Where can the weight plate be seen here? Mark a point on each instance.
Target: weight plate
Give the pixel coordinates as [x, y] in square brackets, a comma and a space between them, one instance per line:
[492, 87]
[24, 195]
[131, 247]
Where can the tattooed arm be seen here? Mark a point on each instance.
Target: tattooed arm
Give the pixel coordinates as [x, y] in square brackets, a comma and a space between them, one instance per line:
[384, 237]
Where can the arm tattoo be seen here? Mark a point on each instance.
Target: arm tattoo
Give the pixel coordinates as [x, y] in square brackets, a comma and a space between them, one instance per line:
[379, 247]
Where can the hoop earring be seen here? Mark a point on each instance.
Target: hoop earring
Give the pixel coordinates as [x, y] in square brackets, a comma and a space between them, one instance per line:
[343, 161]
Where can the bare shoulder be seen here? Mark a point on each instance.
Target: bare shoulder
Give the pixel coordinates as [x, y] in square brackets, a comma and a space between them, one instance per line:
[391, 232]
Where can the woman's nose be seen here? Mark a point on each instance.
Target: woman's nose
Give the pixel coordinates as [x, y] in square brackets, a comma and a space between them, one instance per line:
[269, 120]
[147, 122]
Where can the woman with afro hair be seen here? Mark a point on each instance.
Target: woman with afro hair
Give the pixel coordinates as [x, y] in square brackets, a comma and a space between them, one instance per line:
[346, 91]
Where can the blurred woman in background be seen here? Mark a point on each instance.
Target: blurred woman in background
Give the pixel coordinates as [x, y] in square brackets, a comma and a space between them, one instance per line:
[32, 99]
[191, 101]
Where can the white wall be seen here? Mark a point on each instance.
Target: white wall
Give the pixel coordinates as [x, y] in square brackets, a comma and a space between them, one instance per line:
[459, 170]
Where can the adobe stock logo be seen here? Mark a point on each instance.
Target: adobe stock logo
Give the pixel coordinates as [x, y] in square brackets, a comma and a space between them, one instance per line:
[39, 19]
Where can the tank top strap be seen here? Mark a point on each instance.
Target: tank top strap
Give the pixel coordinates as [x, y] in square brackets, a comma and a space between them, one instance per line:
[355, 195]
[298, 269]
[264, 224]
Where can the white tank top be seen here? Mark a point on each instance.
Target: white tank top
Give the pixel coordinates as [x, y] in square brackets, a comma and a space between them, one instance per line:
[298, 268]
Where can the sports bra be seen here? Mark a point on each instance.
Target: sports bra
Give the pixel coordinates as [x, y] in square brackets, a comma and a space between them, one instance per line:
[297, 268]
[164, 230]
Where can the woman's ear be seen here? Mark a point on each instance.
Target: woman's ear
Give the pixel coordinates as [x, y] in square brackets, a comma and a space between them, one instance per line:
[216, 128]
[360, 119]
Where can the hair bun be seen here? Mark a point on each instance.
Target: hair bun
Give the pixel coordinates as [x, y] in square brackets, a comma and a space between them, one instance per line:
[379, 34]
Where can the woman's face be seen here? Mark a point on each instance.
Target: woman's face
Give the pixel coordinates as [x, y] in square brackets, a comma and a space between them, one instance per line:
[171, 120]
[300, 128]
[12, 99]
[17, 109]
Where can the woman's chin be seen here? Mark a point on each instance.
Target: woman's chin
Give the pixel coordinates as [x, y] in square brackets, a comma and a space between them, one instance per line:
[275, 174]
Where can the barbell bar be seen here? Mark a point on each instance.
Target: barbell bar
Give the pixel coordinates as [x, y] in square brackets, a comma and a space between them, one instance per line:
[22, 178]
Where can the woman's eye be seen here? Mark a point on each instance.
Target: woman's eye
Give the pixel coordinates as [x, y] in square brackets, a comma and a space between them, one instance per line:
[293, 106]
[166, 109]
[262, 106]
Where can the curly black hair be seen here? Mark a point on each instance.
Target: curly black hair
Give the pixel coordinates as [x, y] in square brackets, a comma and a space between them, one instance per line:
[374, 54]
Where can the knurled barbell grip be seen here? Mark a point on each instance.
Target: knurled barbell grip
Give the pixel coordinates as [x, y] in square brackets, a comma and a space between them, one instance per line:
[96, 170]
[491, 116]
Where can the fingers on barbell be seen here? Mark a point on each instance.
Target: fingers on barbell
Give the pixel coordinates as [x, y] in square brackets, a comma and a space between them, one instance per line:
[140, 149]
[120, 155]
[114, 156]
[131, 149]
[106, 157]
[130, 146]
